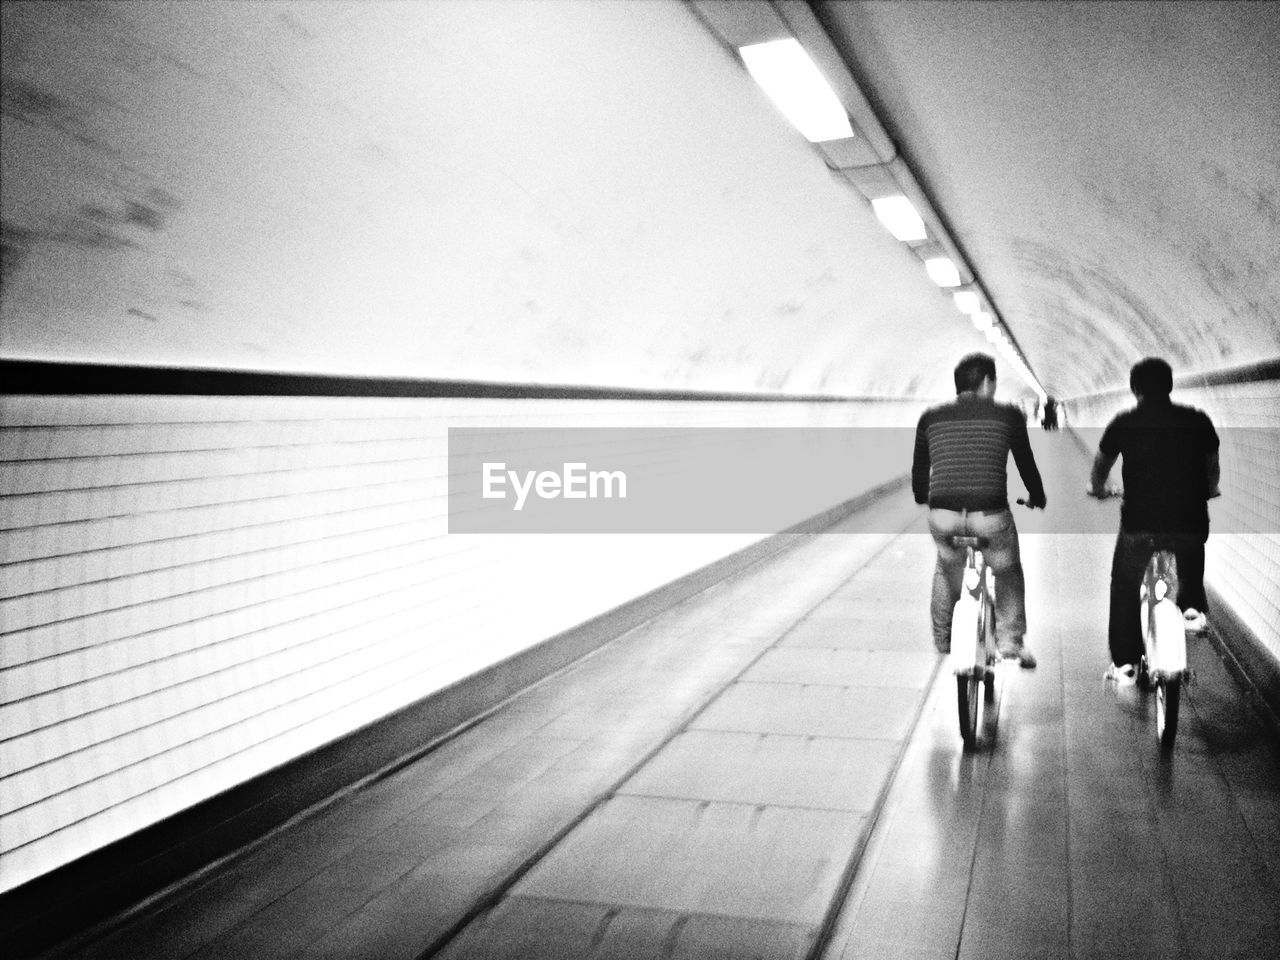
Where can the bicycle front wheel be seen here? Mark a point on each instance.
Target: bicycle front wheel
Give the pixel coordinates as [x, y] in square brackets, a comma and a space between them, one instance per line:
[1168, 699]
[969, 697]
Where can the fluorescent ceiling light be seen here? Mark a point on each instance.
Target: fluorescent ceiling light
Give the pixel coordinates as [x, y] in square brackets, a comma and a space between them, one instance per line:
[992, 334]
[982, 320]
[967, 301]
[901, 219]
[793, 82]
[943, 271]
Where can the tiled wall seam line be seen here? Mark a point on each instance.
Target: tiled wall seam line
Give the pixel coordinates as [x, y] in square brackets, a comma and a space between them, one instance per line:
[107, 614]
[225, 465]
[174, 652]
[275, 606]
[91, 686]
[228, 525]
[183, 485]
[462, 606]
[112, 439]
[280, 548]
[117, 821]
[258, 638]
[260, 641]
[128, 750]
[245, 449]
[94, 500]
[15, 825]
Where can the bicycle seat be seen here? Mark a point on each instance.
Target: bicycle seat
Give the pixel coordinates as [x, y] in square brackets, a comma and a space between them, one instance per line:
[978, 543]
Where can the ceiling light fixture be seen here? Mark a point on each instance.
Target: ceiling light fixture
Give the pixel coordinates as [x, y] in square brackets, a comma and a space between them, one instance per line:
[794, 83]
[806, 76]
[943, 271]
[899, 217]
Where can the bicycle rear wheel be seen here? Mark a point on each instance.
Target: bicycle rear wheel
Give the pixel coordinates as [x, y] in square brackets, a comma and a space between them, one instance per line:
[970, 699]
[1168, 700]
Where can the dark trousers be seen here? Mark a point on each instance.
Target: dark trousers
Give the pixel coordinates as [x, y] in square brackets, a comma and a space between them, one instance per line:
[1128, 565]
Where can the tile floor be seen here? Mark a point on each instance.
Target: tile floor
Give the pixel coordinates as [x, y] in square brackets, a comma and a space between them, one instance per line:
[772, 769]
[1068, 836]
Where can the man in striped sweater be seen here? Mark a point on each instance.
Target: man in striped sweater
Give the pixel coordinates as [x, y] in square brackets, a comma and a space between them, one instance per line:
[959, 469]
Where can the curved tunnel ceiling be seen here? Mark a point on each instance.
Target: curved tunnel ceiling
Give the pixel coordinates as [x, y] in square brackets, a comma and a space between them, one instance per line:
[579, 192]
[1112, 170]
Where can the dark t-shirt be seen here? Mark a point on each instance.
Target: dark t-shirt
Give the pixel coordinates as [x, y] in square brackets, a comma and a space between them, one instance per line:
[1165, 449]
[962, 452]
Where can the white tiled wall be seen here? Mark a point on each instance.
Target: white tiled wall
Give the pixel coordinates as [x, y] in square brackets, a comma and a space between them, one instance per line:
[197, 589]
[1244, 567]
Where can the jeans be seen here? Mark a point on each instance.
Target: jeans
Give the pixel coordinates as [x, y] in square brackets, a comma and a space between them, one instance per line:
[1002, 557]
[1128, 564]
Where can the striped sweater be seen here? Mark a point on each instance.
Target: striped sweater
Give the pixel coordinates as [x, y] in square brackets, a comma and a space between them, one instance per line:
[962, 452]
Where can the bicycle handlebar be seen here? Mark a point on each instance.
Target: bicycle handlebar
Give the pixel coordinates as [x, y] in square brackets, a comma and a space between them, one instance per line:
[1107, 493]
[1112, 493]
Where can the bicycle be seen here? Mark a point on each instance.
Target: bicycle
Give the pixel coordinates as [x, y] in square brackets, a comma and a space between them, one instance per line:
[1164, 638]
[1163, 666]
[974, 654]
[973, 626]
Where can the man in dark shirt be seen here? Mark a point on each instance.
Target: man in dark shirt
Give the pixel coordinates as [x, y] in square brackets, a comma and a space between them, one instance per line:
[1170, 472]
[960, 470]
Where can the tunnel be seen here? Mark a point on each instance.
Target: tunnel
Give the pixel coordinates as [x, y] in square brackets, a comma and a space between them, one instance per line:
[455, 470]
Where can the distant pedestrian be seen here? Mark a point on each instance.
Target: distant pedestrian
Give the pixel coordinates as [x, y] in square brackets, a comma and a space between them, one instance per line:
[1050, 414]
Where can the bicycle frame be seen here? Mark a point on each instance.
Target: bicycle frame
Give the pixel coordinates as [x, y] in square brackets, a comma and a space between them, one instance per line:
[973, 648]
[1164, 633]
[973, 624]
[1164, 665]
[1163, 629]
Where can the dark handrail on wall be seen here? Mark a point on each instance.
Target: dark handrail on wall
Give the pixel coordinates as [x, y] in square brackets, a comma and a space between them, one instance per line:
[57, 378]
[1258, 372]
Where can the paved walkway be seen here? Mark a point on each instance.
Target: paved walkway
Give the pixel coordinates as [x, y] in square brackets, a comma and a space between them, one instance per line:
[1069, 836]
[715, 782]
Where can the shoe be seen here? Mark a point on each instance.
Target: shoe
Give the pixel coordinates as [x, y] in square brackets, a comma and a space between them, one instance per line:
[1017, 651]
[1125, 675]
[1195, 621]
